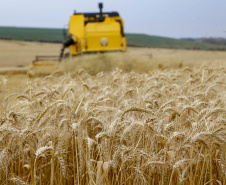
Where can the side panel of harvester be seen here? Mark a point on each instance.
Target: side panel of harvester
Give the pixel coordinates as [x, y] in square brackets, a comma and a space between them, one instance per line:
[77, 32]
[104, 36]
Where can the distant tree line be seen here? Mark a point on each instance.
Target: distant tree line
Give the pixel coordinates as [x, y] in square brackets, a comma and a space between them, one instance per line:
[30, 39]
[214, 41]
[5, 38]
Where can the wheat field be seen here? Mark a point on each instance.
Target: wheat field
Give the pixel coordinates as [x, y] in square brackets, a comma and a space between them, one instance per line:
[162, 127]
[149, 123]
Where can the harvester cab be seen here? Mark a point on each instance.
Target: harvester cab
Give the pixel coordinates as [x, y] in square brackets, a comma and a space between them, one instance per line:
[87, 33]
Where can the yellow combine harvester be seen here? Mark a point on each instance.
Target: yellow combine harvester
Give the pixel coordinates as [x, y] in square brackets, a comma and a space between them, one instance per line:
[88, 33]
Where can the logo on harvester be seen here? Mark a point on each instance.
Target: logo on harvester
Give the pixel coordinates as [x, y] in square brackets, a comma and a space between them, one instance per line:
[104, 41]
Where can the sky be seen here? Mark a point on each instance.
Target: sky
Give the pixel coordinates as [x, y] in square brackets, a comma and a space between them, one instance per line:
[168, 18]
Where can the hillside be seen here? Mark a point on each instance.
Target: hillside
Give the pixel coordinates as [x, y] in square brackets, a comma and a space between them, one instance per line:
[209, 40]
[142, 40]
[134, 40]
[31, 34]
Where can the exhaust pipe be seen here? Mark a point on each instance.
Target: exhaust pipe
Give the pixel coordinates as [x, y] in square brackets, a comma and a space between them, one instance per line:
[101, 12]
